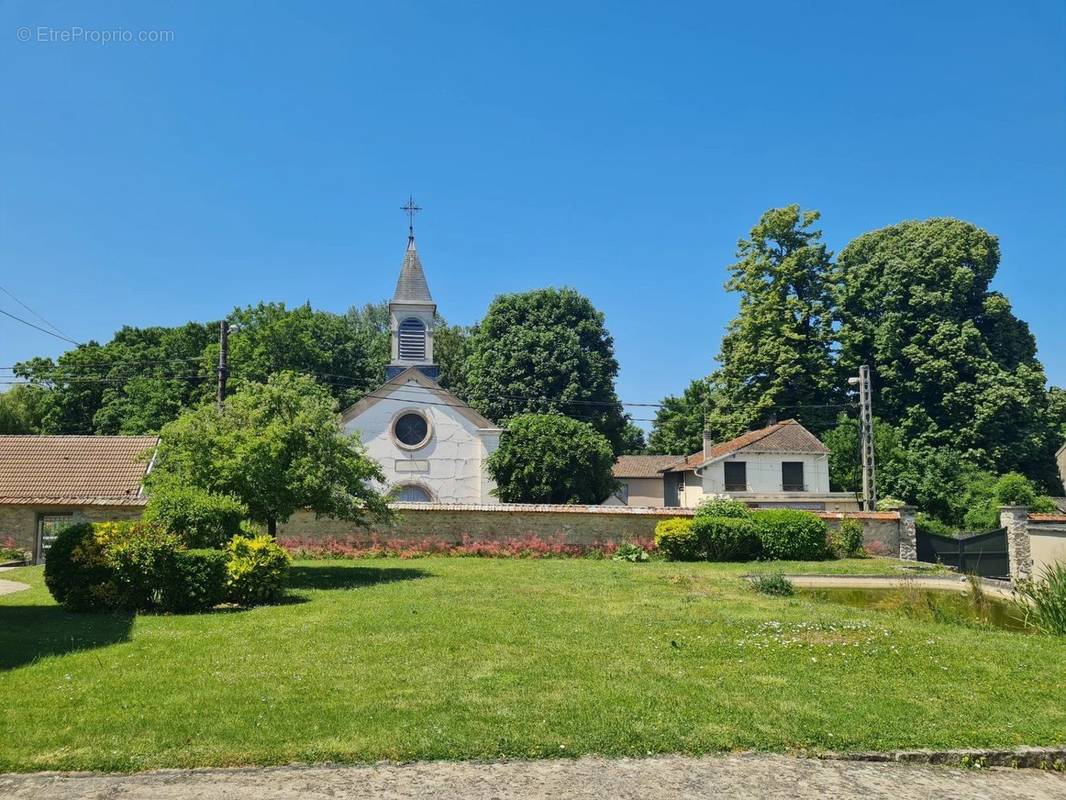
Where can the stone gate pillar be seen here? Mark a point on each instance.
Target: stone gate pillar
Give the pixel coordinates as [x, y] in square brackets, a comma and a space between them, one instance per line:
[908, 534]
[1016, 520]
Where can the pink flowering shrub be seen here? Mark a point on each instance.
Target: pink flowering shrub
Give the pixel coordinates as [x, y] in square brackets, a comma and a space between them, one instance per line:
[527, 546]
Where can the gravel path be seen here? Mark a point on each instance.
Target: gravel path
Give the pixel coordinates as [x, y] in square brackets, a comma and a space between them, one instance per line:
[736, 777]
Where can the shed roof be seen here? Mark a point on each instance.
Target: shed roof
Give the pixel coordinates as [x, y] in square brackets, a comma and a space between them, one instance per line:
[73, 470]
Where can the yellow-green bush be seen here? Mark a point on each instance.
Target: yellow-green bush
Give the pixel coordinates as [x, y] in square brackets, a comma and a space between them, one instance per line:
[676, 540]
[257, 570]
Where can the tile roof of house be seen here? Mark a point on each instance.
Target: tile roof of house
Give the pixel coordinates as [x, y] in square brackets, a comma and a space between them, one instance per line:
[787, 436]
[73, 470]
[642, 466]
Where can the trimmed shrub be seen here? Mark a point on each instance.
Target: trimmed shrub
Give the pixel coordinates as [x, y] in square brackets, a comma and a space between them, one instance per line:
[195, 581]
[77, 572]
[723, 507]
[790, 535]
[676, 540]
[197, 517]
[890, 504]
[1044, 505]
[726, 538]
[846, 539]
[141, 558]
[257, 570]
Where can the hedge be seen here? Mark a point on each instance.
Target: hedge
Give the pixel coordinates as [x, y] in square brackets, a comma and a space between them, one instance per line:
[676, 539]
[201, 519]
[727, 538]
[790, 535]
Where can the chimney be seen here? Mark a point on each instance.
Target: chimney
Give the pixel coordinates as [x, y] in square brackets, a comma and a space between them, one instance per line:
[708, 443]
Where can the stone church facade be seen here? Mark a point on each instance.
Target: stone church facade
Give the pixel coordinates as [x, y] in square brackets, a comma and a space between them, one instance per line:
[431, 445]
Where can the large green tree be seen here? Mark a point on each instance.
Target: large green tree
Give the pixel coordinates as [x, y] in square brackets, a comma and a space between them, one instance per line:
[953, 367]
[776, 353]
[547, 352]
[22, 409]
[551, 458]
[278, 447]
[681, 420]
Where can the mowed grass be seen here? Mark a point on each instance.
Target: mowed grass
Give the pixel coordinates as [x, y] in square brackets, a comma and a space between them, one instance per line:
[441, 658]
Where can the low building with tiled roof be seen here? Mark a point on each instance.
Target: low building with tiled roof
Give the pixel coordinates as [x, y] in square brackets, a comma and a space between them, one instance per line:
[781, 465]
[47, 482]
[640, 480]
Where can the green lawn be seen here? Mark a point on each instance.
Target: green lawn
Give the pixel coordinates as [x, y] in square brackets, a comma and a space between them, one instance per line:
[482, 658]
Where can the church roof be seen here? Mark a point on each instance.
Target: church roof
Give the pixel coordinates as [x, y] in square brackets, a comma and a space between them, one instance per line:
[411, 286]
[393, 389]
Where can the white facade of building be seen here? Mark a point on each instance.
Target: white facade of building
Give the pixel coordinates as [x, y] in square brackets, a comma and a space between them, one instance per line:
[431, 446]
[765, 474]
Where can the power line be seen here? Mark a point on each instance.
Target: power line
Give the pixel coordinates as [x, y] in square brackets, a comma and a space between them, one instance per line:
[10, 294]
[38, 327]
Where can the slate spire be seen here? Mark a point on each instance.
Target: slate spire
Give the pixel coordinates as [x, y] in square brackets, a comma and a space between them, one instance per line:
[411, 287]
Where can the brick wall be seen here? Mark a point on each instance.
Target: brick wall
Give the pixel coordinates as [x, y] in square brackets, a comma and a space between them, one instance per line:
[580, 525]
[20, 522]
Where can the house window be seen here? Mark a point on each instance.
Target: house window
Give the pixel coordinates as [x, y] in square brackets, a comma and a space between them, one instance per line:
[622, 493]
[412, 338]
[411, 430]
[792, 476]
[48, 528]
[411, 493]
[736, 476]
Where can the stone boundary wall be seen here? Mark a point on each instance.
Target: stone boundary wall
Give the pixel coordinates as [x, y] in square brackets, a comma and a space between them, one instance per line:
[580, 525]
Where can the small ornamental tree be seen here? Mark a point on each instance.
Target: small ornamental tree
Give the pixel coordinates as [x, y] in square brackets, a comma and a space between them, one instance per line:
[549, 458]
[278, 447]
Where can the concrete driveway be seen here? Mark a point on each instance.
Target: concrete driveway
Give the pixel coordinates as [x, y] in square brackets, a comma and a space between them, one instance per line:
[738, 777]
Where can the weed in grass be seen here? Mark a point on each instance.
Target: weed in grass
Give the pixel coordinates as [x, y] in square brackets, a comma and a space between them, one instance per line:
[1042, 603]
[774, 584]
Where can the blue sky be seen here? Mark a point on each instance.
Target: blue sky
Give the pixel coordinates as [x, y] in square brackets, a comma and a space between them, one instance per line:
[620, 148]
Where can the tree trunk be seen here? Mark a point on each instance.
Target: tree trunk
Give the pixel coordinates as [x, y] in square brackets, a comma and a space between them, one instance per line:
[272, 527]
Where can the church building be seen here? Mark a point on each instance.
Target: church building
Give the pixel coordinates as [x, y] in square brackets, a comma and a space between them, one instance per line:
[431, 445]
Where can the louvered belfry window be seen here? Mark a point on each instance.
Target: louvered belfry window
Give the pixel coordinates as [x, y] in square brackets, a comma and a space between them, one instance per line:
[412, 339]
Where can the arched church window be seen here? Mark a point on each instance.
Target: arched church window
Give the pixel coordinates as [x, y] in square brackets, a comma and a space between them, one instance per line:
[412, 337]
[411, 429]
[410, 493]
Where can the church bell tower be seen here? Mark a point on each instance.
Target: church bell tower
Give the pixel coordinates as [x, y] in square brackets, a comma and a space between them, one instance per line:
[412, 313]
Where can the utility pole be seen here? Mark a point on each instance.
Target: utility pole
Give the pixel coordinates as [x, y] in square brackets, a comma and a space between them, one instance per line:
[223, 361]
[866, 438]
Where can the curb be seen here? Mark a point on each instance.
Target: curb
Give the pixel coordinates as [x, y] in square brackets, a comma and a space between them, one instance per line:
[1053, 758]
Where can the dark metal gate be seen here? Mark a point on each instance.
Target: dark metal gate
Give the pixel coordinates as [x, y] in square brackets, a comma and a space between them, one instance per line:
[984, 554]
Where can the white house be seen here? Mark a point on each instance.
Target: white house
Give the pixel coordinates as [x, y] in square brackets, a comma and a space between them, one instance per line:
[782, 465]
[431, 445]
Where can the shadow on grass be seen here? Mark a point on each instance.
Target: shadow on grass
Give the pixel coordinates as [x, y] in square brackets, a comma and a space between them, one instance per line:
[28, 633]
[330, 576]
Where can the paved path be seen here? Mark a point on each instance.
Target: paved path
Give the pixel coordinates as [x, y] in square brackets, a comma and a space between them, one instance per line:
[736, 777]
[958, 583]
[7, 587]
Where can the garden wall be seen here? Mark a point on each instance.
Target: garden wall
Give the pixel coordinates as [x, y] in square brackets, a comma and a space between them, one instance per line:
[581, 525]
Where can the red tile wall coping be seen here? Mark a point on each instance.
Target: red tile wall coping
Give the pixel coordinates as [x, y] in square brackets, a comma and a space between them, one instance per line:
[1059, 519]
[654, 511]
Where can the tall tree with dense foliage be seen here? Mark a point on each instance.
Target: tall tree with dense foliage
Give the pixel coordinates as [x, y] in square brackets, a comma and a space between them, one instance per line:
[952, 366]
[681, 421]
[547, 352]
[133, 384]
[550, 458]
[278, 447]
[776, 354]
[22, 409]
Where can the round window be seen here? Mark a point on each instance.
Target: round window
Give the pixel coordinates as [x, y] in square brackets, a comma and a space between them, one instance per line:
[411, 429]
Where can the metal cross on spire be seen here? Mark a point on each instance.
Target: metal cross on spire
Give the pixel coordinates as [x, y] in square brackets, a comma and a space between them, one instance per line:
[410, 209]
